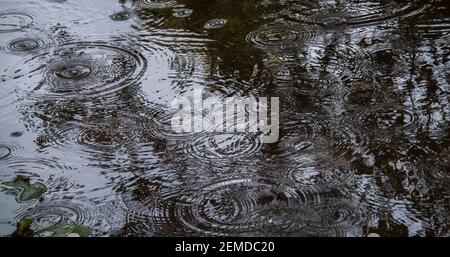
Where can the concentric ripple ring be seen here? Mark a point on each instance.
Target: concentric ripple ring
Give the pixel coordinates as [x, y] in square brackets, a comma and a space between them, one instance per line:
[89, 69]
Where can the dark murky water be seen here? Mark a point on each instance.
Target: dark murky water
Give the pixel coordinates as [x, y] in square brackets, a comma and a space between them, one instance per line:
[364, 99]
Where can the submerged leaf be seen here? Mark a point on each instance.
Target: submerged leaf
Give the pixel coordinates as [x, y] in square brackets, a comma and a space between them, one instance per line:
[23, 228]
[64, 230]
[25, 190]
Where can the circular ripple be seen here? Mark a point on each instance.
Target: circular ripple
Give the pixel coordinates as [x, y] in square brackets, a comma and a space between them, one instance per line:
[378, 11]
[120, 16]
[59, 212]
[42, 168]
[160, 126]
[8, 152]
[99, 138]
[160, 120]
[411, 215]
[147, 202]
[393, 121]
[105, 136]
[73, 71]
[435, 168]
[280, 37]
[312, 163]
[223, 146]
[229, 207]
[14, 21]
[330, 19]
[324, 91]
[315, 152]
[182, 12]
[338, 217]
[362, 94]
[353, 12]
[230, 86]
[313, 173]
[386, 119]
[238, 206]
[21, 45]
[87, 69]
[345, 61]
[154, 4]
[215, 24]
[283, 220]
[305, 125]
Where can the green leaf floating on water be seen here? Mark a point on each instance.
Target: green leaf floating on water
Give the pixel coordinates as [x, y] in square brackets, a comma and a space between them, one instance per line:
[58, 230]
[9, 208]
[26, 191]
[64, 230]
[23, 228]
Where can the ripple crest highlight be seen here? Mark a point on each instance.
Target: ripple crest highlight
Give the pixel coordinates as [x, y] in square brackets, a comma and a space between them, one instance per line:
[90, 69]
[280, 37]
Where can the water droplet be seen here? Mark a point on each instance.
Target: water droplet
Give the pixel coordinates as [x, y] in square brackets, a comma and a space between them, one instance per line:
[21, 45]
[84, 69]
[16, 134]
[280, 37]
[120, 16]
[182, 12]
[215, 24]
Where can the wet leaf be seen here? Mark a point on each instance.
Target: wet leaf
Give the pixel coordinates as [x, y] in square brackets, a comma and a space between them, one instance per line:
[9, 208]
[24, 190]
[23, 228]
[64, 230]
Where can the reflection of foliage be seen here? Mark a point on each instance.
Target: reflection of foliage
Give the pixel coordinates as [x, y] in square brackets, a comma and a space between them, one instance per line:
[228, 45]
[318, 80]
[161, 11]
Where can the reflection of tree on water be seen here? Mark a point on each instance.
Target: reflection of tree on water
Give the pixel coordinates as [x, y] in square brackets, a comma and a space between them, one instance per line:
[383, 143]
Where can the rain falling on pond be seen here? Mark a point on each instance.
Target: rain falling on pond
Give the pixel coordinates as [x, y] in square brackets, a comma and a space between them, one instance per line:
[88, 146]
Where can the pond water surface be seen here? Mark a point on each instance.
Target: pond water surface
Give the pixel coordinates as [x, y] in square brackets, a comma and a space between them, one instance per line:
[364, 146]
